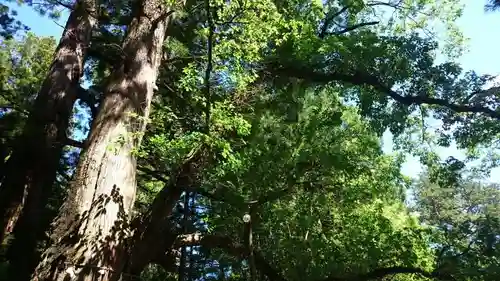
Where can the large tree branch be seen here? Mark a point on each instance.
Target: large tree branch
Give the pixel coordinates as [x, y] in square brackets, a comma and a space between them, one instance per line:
[231, 247]
[212, 241]
[236, 200]
[355, 26]
[85, 96]
[74, 143]
[239, 250]
[362, 79]
[161, 177]
[155, 232]
[387, 271]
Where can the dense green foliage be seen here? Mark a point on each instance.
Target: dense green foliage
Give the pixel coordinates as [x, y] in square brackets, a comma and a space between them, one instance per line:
[22, 69]
[282, 105]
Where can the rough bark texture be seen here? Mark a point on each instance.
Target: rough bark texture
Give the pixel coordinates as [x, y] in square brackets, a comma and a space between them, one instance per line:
[31, 169]
[93, 226]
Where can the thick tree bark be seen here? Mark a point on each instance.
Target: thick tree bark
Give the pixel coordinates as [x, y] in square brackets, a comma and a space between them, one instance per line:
[92, 229]
[31, 169]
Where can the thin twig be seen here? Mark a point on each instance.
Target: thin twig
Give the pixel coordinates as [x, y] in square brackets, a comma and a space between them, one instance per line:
[58, 24]
[328, 21]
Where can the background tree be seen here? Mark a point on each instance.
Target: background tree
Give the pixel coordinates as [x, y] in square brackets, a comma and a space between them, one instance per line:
[32, 167]
[464, 212]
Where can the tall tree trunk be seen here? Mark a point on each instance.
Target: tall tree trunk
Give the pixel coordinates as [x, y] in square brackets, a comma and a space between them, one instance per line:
[32, 167]
[93, 226]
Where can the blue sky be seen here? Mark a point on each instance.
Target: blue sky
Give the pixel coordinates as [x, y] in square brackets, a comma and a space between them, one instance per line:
[481, 28]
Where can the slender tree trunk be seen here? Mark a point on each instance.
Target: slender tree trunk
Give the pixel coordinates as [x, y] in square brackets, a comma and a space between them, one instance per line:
[182, 266]
[31, 169]
[93, 226]
[192, 218]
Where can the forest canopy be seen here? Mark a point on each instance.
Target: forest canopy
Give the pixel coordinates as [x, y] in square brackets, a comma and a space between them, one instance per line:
[242, 140]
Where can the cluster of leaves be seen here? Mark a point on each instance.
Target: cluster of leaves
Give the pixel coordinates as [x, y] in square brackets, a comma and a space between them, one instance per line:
[340, 209]
[23, 64]
[463, 215]
[9, 26]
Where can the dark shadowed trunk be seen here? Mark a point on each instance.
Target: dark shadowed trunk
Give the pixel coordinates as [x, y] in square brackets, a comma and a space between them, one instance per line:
[93, 226]
[31, 169]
